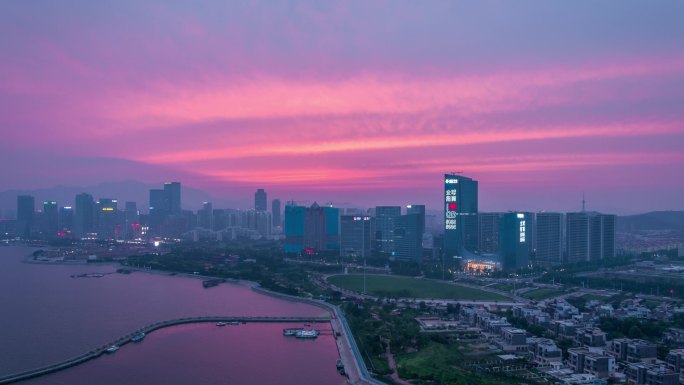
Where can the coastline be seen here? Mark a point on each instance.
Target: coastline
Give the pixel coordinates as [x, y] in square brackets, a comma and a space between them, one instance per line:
[347, 349]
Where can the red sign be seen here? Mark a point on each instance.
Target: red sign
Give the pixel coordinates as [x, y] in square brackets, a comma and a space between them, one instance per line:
[452, 206]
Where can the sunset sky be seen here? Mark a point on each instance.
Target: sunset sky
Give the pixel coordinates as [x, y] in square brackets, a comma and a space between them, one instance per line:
[367, 102]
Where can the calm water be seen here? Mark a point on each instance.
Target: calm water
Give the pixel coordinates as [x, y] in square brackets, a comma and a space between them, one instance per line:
[47, 316]
[210, 355]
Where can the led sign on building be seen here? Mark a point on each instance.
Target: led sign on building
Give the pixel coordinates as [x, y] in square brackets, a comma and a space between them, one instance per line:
[450, 198]
[522, 227]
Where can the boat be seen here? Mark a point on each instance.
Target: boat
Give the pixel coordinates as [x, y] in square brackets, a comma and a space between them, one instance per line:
[234, 323]
[308, 334]
[221, 323]
[291, 332]
[339, 364]
[138, 337]
[112, 349]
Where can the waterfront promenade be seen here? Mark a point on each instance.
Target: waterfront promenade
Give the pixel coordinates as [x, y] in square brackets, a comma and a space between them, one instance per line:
[148, 329]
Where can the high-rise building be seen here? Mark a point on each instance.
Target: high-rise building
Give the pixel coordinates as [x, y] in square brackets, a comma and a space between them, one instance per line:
[173, 192]
[107, 218]
[160, 209]
[315, 228]
[321, 228]
[260, 200]
[420, 211]
[26, 207]
[408, 236]
[50, 219]
[514, 237]
[205, 216]
[275, 212]
[489, 225]
[460, 216]
[590, 236]
[385, 220]
[66, 221]
[84, 215]
[355, 235]
[132, 228]
[550, 238]
[294, 228]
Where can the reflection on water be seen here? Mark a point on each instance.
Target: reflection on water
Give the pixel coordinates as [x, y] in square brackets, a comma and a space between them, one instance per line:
[47, 316]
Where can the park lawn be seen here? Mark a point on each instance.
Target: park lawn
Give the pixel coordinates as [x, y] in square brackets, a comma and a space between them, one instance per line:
[538, 294]
[407, 287]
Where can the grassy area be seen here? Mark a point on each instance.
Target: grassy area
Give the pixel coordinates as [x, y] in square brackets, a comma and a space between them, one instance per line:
[594, 297]
[441, 364]
[395, 286]
[538, 294]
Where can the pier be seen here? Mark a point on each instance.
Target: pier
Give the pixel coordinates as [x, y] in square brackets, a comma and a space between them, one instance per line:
[148, 329]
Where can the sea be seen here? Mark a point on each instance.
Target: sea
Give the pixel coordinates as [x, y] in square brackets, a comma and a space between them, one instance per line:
[48, 314]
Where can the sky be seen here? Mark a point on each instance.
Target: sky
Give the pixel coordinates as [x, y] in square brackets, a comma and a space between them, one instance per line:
[355, 102]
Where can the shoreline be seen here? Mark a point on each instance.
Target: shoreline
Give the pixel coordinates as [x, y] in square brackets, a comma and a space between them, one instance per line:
[346, 345]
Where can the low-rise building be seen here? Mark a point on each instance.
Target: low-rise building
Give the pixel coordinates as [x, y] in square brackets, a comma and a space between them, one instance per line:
[650, 374]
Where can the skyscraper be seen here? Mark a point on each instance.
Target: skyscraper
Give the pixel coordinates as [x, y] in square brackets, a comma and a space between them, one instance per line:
[50, 219]
[489, 225]
[460, 216]
[294, 228]
[131, 220]
[408, 236]
[260, 200]
[514, 238]
[160, 209]
[205, 216]
[26, 206]
[66, 220]
[275, 212]
[385, 220]
[355, 235]
[549, 239]
[590, 236]
[107, 218]
[84, 215]
[173, 192]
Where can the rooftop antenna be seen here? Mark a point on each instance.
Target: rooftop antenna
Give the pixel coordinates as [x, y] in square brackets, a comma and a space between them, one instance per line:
[583, 202]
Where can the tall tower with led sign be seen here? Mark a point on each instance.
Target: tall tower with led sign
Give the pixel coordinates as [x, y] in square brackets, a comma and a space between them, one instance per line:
[460, 217]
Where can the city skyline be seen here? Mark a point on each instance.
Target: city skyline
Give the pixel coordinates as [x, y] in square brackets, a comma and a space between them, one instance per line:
[327, 102]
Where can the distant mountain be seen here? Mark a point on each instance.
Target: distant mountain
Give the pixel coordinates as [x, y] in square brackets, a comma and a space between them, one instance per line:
[127, 190]
[656, 220]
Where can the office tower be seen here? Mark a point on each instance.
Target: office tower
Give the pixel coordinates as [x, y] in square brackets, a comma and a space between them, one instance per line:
[66, 221]
[321, 228]
[160, 209]
[420, 211]
[460, 216]
[84, 215]
[275, 212]
[107, 218]
[489, 225]
[513, 242]
[549, 239]
[408, 236]
[260, 201]
[50, 219]
[385, 219]
[312, 228]
[173, 193]
[25, 215]
[355, 235]
[262, 222]
[294, 228]
[590, 236]
[132, 228]
[205, 216]
[219, 219]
